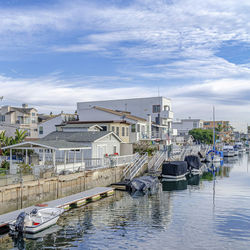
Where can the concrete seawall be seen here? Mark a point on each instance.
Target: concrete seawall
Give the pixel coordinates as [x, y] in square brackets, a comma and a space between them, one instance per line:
[14, 197]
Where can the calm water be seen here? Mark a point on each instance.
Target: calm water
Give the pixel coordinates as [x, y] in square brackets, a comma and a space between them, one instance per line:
[199, 214]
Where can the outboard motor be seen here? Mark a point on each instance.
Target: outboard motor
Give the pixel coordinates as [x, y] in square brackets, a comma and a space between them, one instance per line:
[34, 212]
[19, 224]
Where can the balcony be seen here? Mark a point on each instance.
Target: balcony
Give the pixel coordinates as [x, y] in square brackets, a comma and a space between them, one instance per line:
[167, 114]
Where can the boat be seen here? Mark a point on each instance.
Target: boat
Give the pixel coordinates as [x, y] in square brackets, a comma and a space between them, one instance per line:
[228, 151]
[236, 151]
[193, 164]
[174, 185]
[36, 220]
[174, 169]
[144, 184]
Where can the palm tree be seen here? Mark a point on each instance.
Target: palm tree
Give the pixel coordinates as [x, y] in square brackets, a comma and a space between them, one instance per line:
[20, 135]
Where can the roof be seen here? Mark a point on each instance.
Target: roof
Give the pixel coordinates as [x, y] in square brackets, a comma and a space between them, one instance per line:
[22, 110]
[121, 113]
[79, 125]
[85, 136]
[49, 144]
[97, 122]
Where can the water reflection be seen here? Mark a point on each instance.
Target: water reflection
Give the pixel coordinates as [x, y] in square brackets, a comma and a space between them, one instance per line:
[150, 221]
[171, 185]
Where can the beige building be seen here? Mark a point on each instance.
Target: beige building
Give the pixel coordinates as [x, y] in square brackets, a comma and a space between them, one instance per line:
[23, 118]
[120, 128]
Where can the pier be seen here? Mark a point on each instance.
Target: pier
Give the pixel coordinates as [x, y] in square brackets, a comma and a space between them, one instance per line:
[72, 201]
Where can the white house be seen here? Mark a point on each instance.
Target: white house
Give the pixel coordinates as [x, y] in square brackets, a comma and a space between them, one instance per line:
[48, 125]
[185, 125]
[101, 143]
[155, 109]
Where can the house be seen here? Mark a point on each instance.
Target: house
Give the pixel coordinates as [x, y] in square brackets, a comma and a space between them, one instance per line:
[183, 126]
[23, 118]
[100, 143]
[156, 110]
[48, 123]
[135, 127]
[120, 127]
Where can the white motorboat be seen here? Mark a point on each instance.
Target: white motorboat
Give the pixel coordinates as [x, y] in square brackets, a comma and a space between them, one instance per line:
[228, 151]
[36, 220]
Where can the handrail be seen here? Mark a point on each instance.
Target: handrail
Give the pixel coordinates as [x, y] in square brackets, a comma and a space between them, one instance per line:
[160, 160]
[138, 166]
[129, 166]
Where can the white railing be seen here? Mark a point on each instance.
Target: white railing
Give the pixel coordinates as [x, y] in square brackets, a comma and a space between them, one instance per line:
[153, 160]
[160, 160]
[137, 166]
[129, 166]
[124, 159]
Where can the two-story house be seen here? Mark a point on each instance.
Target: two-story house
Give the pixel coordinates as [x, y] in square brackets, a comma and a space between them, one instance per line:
[23, 118]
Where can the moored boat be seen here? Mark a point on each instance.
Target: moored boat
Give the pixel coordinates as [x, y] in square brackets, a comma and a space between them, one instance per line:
[174, 169]
[228, 151]
[36, 220]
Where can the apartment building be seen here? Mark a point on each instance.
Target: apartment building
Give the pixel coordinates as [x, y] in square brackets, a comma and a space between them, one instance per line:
[183, 126]
[156, 110]
[23, 118]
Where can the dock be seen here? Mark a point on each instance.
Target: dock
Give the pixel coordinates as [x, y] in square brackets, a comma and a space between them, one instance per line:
[72, 201]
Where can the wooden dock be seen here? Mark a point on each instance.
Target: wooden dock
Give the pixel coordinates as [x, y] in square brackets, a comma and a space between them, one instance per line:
[75, 200]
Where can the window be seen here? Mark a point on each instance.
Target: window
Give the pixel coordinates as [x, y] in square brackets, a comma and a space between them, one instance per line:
[33, 120]
[133, 128]
[123, 131]
[104, 128]
[33, 114]
[206, 123]
[40, 130]
[195, 124]
[117, 131]
[114, 149]
[113, 129]
[156, 108]
[138, 128]
[157, 120]
[126, 131]
[2, 118]
[166, 108]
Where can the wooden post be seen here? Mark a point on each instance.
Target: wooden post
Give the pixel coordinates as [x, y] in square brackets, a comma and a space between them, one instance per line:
[11, 159]
[26, 156]
[74, 160]
[65, 159]
[54, 160]
[43, 157]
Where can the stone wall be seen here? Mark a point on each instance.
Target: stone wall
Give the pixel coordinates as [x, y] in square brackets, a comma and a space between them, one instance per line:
[15, 196]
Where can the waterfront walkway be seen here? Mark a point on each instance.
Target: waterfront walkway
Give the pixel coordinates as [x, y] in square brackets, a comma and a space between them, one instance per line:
[67, 202]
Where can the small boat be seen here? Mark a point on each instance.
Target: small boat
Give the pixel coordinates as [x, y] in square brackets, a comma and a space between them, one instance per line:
[36, 220]
[193, 164]
[174, 169]
[144, 184]
[228, 151]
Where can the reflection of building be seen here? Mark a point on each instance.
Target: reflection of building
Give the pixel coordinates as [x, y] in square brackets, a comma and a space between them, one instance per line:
[223, 129]
[22, 118]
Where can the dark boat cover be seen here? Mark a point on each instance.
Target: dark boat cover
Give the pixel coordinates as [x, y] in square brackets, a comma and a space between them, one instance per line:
[193, 162]
[174, 168]
[143, 183]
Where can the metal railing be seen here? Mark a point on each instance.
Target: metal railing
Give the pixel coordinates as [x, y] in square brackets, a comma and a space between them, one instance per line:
[160, 160]
[134, 168]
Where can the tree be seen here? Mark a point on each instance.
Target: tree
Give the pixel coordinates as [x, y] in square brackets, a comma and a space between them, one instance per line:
[202, 135]
[20, 135]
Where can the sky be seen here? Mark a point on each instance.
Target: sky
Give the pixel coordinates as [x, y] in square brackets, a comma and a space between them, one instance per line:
[55, 53]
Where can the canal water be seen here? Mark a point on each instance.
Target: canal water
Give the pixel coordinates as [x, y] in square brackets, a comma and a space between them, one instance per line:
[207, 212]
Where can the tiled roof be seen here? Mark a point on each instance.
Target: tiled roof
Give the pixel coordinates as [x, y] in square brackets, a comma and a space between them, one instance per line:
[86, 136]
[121, 113]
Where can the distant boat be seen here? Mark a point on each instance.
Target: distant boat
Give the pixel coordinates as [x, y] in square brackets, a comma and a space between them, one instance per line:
[228, 151]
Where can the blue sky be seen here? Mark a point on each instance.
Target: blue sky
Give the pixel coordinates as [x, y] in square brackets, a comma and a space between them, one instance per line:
[55, 53]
